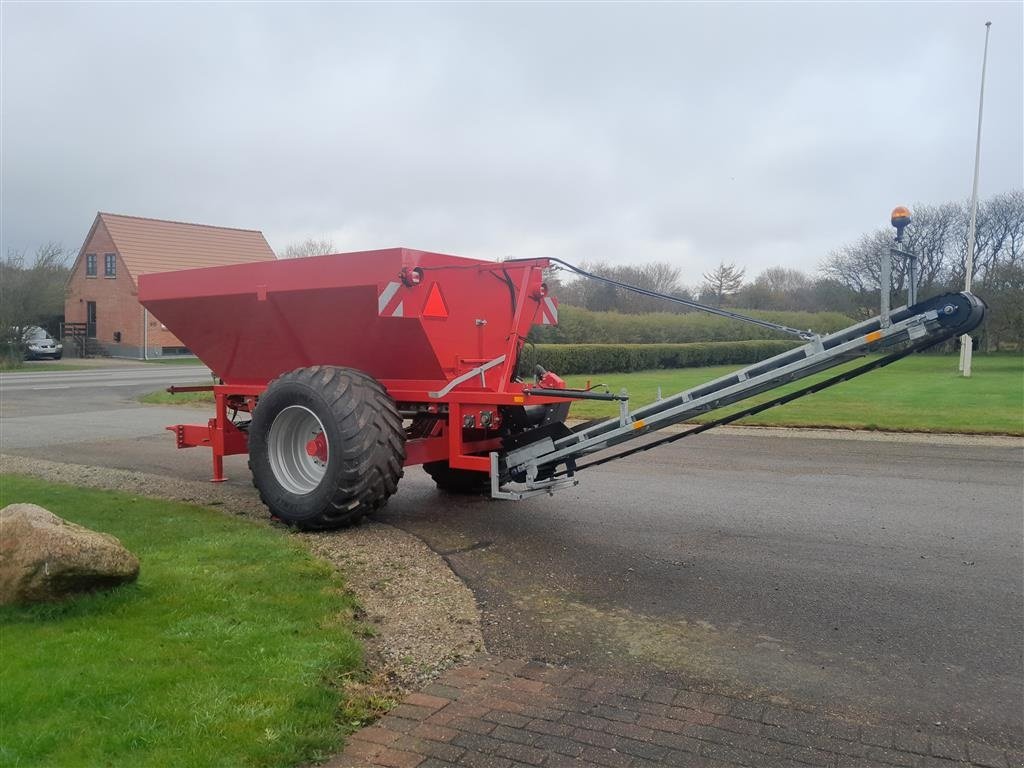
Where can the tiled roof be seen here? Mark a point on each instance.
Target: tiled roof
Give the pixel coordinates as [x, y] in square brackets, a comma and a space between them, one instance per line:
[154, 245]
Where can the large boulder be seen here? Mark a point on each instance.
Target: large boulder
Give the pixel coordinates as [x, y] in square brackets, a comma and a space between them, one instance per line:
[45, 558]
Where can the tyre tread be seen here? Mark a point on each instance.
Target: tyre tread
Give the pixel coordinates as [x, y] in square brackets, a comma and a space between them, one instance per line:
[372, 454]
[458, 481]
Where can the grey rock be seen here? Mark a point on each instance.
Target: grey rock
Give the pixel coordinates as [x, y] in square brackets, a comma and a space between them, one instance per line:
[45, 558]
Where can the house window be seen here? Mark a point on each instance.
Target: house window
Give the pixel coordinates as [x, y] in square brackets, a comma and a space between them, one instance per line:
[110, 265]
[90, 265]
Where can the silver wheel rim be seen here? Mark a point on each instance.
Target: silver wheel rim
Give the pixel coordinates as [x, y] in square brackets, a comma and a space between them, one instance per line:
[298, 470]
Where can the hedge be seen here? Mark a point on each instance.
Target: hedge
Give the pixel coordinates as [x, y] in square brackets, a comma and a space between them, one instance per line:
[583, 326]
[565, 359]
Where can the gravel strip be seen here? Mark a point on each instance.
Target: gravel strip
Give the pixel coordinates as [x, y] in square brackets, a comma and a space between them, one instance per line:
[877, 436]
[424, 618]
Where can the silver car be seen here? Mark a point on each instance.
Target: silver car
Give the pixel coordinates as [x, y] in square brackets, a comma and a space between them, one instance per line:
[40, 344]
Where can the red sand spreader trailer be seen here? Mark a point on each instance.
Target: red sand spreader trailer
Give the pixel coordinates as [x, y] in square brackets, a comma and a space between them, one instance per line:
[337, 371]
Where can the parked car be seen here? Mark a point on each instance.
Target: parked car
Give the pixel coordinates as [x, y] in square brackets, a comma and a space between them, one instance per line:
[40, 344]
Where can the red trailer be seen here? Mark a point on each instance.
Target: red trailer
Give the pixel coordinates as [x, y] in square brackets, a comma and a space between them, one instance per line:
[362, 363]
[334, 372]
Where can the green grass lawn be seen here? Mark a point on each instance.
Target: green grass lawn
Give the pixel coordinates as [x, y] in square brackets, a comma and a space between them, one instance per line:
[922, 393]
[229, 650]
[163, 397]
[173, 361]
[42, 367]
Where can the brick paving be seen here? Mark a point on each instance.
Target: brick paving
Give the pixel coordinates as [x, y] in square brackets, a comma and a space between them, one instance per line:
[508, 714]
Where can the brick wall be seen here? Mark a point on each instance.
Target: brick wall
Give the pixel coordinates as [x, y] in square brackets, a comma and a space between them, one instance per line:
[117, 305]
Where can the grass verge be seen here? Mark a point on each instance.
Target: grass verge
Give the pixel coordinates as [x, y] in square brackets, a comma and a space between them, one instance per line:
[41, 367]
[923, 393]
[163, 397]
[173, 361]
[229, 650]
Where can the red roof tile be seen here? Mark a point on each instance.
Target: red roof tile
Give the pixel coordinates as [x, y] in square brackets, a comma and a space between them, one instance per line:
[154, 245]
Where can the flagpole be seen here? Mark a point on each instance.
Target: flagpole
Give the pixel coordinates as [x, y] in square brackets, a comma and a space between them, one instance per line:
[966, 345]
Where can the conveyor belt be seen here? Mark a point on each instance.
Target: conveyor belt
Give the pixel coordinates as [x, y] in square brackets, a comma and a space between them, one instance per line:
[755, 409]
[911, 330]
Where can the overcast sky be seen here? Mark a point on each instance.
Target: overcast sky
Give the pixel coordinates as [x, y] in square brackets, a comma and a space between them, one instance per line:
[762, 134]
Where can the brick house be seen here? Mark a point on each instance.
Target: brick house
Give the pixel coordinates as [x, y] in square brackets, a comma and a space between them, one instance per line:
[101, 292]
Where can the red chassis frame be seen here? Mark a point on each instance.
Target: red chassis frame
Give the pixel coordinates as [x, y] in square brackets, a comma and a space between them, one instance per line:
[224, 438]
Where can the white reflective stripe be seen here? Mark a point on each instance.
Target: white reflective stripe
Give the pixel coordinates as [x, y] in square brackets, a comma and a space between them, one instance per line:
[386, 296]
[399, 310]
[552, 310]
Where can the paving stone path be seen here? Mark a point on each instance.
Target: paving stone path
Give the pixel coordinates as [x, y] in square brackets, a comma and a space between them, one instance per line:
[504, 714]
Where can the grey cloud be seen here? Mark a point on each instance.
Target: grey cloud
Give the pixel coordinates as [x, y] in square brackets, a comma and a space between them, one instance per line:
[759, 134]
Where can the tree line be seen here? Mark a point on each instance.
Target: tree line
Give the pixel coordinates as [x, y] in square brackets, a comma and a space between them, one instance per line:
[31, 293]
[848, 278]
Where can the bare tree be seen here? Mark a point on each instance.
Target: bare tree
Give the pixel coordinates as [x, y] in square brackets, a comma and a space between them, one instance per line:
[724, 280]
[307, 247]
[778, 288]
[931, 238]
[938, 238]
[830, 295]
[31, 293]
[1005, 218]
[590, 294]
[659, 277]
[858, 265]
[1003, 291]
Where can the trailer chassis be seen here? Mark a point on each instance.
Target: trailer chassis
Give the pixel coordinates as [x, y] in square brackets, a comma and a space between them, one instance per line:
[464, 448]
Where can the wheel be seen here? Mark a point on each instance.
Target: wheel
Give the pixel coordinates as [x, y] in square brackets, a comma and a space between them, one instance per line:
[326, 446]
[461, 481]
[58, 356]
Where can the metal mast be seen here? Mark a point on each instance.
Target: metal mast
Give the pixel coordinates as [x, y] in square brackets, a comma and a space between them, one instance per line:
[966, 348]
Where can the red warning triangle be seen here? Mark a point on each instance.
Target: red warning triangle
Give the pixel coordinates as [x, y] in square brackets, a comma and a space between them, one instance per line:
[435, 306]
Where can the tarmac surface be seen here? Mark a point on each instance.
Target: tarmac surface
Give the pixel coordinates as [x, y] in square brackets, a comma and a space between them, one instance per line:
[874, 580]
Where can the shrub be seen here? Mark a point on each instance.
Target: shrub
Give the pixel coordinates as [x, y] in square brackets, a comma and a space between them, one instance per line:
[565, 359]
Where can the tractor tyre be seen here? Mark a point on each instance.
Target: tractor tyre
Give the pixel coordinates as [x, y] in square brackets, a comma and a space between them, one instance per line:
[326, 446]
[467, 482]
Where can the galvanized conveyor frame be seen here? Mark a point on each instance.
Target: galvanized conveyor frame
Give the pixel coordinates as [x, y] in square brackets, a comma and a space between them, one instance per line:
[529, 469]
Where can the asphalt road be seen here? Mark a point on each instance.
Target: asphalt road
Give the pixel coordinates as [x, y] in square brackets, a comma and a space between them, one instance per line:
[870, 578]
[40, 408]
[880, 579]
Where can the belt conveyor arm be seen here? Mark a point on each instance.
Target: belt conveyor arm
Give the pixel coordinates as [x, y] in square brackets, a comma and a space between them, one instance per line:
[920, 326]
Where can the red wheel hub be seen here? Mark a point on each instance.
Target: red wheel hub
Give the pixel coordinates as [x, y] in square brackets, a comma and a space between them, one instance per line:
[317, 447]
